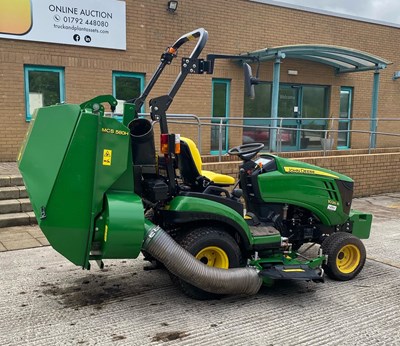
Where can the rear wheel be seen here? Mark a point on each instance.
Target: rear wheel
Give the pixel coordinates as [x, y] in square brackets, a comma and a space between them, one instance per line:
[346, 256]
[215, 248]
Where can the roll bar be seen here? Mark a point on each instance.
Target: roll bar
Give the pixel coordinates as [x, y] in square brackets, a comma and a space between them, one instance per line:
[162, 103]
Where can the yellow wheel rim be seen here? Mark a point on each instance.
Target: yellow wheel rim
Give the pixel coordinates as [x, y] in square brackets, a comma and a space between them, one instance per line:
[214, 256]
[348, 259]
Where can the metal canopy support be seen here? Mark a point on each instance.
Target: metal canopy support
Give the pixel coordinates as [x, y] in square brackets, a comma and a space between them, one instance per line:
[374, 108]
[275, 100]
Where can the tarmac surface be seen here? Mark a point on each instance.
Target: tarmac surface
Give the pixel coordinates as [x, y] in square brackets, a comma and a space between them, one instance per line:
[46, 300]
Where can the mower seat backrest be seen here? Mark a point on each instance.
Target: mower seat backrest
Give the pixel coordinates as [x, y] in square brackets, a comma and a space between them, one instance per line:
[190, 167]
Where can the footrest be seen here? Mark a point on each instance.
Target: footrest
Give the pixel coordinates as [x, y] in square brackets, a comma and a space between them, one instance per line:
[263, 231]
[293, 272]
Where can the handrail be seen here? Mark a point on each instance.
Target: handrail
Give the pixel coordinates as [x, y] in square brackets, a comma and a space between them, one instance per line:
[223, 123]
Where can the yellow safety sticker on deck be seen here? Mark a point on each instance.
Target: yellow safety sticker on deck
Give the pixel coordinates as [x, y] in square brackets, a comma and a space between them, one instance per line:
[105, 233]
[107, 154]
[293, 270]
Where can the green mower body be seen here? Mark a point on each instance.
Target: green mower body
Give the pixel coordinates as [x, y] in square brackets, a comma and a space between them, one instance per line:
[77, 170]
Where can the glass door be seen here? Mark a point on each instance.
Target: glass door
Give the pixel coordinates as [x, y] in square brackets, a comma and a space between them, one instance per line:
[302, 113]
[220, 115]
[289, 107]
[314, 111]
[346, 98]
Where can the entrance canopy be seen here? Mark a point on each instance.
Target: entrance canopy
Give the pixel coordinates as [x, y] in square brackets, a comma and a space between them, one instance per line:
[342, 59]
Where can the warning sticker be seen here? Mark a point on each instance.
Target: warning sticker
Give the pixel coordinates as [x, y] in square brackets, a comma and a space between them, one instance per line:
[107, 154]
[332, 207]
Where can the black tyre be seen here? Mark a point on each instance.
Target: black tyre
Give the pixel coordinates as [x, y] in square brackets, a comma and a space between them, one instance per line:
[214, 247]
[346, 256]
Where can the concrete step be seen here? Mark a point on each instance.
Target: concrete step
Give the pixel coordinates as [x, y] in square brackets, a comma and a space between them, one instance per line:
[13, 192]
[17, 219]
[15, 207]
[11, 180]
[8, 206]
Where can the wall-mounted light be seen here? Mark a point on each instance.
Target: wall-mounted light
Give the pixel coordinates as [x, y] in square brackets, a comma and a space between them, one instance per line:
[292, 72]
[172, 6]
[396, 75]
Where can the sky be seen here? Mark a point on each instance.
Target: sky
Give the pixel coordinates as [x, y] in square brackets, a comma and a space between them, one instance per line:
[380, 10]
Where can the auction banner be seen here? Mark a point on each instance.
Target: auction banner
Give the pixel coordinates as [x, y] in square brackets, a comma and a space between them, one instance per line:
[89, 23]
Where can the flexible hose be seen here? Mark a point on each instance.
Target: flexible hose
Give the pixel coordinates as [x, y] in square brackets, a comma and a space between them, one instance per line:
[180, 262]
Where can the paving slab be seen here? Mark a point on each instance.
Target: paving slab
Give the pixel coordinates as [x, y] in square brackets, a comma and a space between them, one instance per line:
[21, 243]
[43, 241]
[22, 234]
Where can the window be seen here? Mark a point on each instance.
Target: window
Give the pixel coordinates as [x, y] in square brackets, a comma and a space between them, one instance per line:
[220, 111]
[256, 111]
[127, 86]
[44, 86]
[299, 107]
[346, 100]
[314, 104]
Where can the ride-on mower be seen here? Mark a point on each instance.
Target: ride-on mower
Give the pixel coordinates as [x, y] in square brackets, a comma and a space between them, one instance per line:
[99, 191]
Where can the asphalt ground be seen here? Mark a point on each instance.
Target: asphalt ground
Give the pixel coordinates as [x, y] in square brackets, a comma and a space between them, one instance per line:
[45, 300]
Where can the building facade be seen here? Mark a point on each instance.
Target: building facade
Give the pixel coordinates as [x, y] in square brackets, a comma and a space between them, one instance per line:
[33, 74]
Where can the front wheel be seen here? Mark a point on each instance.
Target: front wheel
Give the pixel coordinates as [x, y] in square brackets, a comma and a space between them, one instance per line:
[214, 247]
[346, 256]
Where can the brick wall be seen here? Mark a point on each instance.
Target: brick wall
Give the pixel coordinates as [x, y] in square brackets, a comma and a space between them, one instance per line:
[234, 26]
[373, 174]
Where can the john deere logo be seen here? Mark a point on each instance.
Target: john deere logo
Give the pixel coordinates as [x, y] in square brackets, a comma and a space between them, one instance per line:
[308, 171]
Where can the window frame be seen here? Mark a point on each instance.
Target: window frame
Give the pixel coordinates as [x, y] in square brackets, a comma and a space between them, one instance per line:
[140, 76]
[40, 68]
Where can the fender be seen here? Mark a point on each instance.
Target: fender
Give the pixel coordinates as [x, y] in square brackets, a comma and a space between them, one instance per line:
[184, 209]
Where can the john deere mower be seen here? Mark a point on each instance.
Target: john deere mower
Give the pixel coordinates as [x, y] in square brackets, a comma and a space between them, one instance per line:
[100, 191]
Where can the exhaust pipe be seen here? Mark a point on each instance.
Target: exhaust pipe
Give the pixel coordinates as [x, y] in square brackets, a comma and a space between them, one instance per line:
[181, 263]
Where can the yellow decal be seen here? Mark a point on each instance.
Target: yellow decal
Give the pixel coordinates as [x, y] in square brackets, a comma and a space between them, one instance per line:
[15, 17]
[114, 132]
[190, 37]
[308, 171]
[293, 270]
[105, 233]
[333, 202]
[107, 154]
